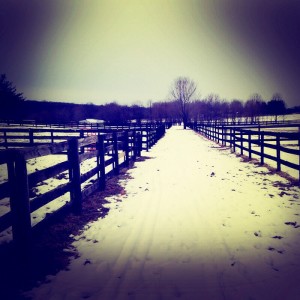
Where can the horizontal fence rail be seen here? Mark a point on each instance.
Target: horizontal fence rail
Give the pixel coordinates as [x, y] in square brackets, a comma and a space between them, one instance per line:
[256, 122]
[257, 141]
[27, 137]
[108, 151]
[85, 125]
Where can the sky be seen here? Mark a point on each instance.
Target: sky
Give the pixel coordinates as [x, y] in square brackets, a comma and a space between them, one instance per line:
[131, 51]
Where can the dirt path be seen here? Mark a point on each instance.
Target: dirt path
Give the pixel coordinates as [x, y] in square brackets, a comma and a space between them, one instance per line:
[193, 222]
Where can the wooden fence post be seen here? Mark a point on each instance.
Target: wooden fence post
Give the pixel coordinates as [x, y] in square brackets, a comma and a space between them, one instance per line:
[81, 135]
[133, 140]
[98, 159]
[262, 141]
[150, 136]
[223, 136]
[116, 153]
[74, 174]
[242, 144]
[278, 152]
[233, 138]
[30, 136]
[148, 142]
[126, 148]
[230, 138]
[139, 144]
[249, 145]
[5, 139]
[102, 161]
[19, 202]
[52, 136]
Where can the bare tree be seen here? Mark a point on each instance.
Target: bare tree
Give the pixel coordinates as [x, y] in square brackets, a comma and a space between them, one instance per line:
[212, 102]
[182, 91]
[276, 106]
[236, 109]
[254, 107]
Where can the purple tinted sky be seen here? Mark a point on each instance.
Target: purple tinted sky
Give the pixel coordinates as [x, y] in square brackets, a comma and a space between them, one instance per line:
[131, 51]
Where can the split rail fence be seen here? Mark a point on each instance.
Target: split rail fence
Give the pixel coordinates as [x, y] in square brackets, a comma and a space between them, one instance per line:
[257, 140]
[24, 137]
[110, 150]
[86, 125]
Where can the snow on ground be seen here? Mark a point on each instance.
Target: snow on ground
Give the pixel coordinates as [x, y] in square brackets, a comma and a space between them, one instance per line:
[280, 118]
[195, 223]
[42, 187]
[293, 158]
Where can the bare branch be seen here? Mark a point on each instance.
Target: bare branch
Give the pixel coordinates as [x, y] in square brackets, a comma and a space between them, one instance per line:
[182, 91]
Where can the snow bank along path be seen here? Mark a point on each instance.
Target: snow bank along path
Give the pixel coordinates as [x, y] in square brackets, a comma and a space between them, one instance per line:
[194, 222]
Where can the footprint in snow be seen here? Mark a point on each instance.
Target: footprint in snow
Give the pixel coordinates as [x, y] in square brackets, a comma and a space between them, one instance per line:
[277, 237]
[253, 213]
[87, 262]
[274, 249]
[282, 193]
[294, 224]
[233, 261]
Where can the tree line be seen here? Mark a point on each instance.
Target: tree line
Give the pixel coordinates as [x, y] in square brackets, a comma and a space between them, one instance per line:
[186, 107]
[183, 105]
[14, 106]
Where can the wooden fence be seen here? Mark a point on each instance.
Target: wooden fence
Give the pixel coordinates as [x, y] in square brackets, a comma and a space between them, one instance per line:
[110, 150]
[256, 140]
[86, 125]
[244, 122]
[24, 137]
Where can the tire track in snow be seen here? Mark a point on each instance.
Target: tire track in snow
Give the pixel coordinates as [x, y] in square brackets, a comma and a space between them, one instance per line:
[181, 242]
[138, 240]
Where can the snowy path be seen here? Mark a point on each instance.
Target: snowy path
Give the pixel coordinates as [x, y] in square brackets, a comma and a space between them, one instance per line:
[195, 223]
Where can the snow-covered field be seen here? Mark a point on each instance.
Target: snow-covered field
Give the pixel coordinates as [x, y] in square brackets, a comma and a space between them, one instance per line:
[280, 118]
[42, 187]
[293, 158]
[195, 223]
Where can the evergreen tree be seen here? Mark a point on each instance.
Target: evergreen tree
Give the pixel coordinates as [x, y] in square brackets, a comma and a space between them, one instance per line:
[11, 102]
